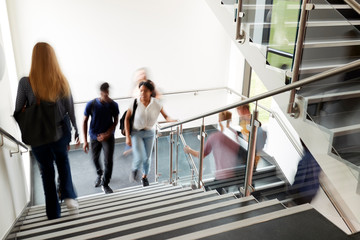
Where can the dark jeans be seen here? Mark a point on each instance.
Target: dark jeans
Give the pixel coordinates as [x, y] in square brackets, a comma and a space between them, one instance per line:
[108, 147]
[45, 156]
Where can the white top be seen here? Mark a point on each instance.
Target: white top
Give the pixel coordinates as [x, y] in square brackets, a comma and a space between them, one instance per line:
[146, 117]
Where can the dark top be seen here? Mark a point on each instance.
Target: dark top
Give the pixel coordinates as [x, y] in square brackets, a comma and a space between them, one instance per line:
[25, 97]
[102, 116]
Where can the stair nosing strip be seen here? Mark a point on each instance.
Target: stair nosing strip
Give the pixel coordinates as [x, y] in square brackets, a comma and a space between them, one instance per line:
[244, 223]
[102, 196]
[139, 216]
[112, 197]
[97, 208]
[202, 219]
[124, 208]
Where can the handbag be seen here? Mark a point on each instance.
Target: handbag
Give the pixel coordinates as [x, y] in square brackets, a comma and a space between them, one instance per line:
[38, 123]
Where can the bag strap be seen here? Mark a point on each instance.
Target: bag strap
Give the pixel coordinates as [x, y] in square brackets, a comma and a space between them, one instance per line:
[92, 106]
[134, 107]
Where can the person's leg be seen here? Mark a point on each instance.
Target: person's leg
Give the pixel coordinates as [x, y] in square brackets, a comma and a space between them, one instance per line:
[63, 167]
[149, 140]
[139, 151]
[45, 158]
[95, 154]
[108, 147]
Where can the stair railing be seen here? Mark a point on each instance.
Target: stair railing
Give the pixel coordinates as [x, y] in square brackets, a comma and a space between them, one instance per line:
[251, 155]
[19, 144]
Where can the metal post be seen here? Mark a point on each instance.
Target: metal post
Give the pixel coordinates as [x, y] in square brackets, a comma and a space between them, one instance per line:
[298, 51]
[156, 155]
[177, 155]
[2, 141]
[201, 159]
[239, 35]
[251, 152]
[171, 157]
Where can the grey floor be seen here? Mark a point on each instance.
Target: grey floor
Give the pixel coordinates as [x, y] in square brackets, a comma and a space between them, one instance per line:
[84, 174]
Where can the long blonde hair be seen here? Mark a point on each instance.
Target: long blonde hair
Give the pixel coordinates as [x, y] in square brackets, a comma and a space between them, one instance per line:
[46, 79]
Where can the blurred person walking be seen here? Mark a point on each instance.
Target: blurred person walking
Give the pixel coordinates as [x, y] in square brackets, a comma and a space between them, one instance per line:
[48, 91]
[224, 148]
[104, 114]
[139, 131]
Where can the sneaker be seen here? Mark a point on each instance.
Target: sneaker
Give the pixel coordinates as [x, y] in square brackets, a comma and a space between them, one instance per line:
[106, 189]
[97, 182]
[133, 176]
[72, 206]
[145, 182]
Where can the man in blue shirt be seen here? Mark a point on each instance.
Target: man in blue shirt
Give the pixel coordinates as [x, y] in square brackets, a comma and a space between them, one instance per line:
[104, 114]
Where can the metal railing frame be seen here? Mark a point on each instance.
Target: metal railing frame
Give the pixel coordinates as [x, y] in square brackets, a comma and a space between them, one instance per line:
[19, 144]
[292, 86]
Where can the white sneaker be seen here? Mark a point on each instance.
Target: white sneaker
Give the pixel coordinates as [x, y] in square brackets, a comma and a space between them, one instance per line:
[72, 206]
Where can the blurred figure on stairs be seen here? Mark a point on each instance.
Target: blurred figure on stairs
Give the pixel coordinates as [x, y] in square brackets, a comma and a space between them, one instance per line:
[224, 149]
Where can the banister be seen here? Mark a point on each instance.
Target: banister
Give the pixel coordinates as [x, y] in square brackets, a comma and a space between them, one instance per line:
[306, 81]
[354, 5]
[13, 139]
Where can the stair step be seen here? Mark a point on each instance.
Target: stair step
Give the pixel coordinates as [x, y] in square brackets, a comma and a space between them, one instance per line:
[104, 198]
[95, 197]
[186, 222]
[130, 219]
[114, 203]
[297, 223]
[332, 43]
[107, 213]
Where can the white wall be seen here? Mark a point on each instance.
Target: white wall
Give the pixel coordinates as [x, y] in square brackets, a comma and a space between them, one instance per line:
[13, 186]
[180, 41]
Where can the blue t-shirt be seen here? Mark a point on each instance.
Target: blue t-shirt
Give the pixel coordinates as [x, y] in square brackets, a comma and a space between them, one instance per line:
[102, 116]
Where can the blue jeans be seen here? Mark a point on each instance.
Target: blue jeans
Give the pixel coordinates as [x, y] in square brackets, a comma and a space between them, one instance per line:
[142, 145]
[46, 155]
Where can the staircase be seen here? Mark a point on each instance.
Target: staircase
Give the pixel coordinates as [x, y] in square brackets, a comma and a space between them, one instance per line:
[171, 212]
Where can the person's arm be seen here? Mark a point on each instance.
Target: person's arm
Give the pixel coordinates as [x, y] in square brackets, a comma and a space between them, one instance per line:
[85, 129]
[191, 151]
[20, 97]
[69, 106]
[167, 118]
[127, 127]
[104, 136]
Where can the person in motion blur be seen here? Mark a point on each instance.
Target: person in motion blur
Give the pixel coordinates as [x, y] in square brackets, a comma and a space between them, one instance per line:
[141, 136]
[224, 148]
[46, 82]
[104, 114]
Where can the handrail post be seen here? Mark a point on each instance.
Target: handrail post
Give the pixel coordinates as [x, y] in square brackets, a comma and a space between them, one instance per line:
[239, 35]
[177, 155]
[2, 140]
[171, 157]
[251, 153]
[201, 159]
[298, 52]
[156, 155]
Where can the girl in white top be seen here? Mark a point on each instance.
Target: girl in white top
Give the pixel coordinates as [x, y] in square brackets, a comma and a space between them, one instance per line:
[142, 136]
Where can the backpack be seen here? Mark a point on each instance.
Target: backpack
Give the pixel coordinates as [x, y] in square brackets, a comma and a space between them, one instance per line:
[122, 120]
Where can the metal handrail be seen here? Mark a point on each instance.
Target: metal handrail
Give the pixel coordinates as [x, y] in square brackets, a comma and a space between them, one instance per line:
[306, 81]
[163, 94]
[10, 137]
[278, 120]
[191, 161]
[354, 5]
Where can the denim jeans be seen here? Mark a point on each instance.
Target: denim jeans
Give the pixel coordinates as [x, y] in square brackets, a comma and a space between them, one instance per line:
[142, 145]
[108, 147]
[46, 155]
